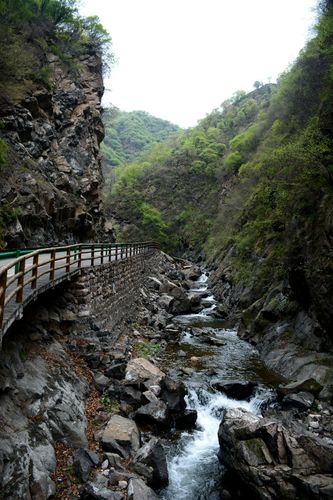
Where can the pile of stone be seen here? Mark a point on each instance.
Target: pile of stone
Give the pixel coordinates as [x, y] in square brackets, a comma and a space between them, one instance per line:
[132, 460]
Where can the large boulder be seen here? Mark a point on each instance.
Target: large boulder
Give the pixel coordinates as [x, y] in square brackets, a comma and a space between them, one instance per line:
[155, 413]
[138, 490]
[301, 401]
[267, 457]
[153, 455]
[308, 385]
[139, 370]
[121, 434]
[173, 392]
[236, 389]
[83, 461]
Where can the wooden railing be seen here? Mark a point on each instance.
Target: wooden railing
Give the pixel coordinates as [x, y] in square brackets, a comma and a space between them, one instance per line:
[22, 277]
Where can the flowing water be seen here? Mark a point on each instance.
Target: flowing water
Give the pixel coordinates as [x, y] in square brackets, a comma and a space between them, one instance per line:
[194, 469]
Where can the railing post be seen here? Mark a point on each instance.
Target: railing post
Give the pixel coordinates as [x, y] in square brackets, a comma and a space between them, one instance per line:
[79, 262]
[3, 285]
[17, 266]
[20, 282]
[102, 255]
[126, 251]
[92, 252]
[35, 271]
[116, 252]
[68, 260]
[52, 264]
[110, 253]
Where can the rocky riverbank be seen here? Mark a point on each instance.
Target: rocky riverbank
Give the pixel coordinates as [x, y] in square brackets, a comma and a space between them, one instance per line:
[85, 414]
[79, 410]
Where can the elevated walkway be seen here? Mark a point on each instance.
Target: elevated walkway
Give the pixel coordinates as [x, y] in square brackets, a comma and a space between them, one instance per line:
[23, 278]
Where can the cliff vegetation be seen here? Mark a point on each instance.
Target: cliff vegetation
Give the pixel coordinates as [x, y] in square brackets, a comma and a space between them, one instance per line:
[51, 65]
[250, 188]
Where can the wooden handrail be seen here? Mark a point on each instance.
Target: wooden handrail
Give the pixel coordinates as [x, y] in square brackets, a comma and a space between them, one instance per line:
[29, 268]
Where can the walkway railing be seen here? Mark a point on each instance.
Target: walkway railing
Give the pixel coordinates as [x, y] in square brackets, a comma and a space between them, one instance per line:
[24, 277]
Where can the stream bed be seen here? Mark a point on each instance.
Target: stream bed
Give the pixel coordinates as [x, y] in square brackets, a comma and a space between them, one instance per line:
[194, 469]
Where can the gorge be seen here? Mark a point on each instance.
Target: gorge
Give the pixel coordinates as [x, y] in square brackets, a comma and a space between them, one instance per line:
[202, 369]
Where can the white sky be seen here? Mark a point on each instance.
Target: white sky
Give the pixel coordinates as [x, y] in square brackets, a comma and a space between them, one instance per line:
[179, 59]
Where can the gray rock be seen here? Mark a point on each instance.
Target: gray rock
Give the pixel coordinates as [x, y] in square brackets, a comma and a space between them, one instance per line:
[142, 470]
[154, 283]
[301, 401]
[166, 301]
[138, 490]
[140, 369]
[236, 389]
[123, 432]
[96, 491]
[308, 385]
[116, 370]
[83, 461]
[101, 381]
[173, 392]
[185, 419]
[155, 413]
[153, 455]
[276, 461]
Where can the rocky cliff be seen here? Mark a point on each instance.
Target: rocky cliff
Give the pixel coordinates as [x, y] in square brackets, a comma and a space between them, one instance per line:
[50, 183]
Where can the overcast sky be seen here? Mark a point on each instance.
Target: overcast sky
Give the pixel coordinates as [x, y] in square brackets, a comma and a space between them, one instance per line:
[179, 59]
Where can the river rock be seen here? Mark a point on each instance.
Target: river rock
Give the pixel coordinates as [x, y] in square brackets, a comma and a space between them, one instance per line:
[236, 389]
[308, 385]
[173, 392]
[140, 369]
[96, 491]
[301, 401]
[185, 419]
[121, 432]
[192, 273]
[155, 413]
[166, 301]
[138, 490]
[153, 455]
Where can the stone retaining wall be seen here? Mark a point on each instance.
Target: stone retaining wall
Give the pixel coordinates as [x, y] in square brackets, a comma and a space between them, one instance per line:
[107, 294]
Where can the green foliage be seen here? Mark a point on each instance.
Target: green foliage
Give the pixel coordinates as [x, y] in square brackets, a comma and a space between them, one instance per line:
[128, 135]
[3, 152]
[109, 404]
[152, 223]
[148, 349]
[43, 76]
[249, 183]
[31, 28]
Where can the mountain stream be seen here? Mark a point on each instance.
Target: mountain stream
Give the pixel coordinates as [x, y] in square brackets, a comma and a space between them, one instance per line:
[194, 469]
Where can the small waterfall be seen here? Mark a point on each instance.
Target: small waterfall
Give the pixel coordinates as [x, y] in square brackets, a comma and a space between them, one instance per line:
[194, 470]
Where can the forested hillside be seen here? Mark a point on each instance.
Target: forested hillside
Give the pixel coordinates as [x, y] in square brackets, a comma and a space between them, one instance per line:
[127, 134]
[251, 186]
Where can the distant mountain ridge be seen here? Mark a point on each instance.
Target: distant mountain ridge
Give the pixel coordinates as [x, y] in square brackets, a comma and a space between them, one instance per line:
[128, 134]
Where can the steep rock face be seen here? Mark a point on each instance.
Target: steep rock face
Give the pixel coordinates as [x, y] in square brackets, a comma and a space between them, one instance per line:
[275, 460]
[50, 188]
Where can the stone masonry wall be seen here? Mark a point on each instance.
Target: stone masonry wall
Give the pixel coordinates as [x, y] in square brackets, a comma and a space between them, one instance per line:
[107, 294]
